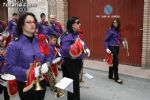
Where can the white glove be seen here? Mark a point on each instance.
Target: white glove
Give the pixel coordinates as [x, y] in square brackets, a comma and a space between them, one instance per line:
[44, 68]
[59, 40]
[56, 60]
[87, 52]
[37, 71]
[108, 51]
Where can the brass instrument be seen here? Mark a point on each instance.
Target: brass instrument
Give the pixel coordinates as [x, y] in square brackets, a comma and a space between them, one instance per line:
[125, 45]
[52, 82]
[37, 81]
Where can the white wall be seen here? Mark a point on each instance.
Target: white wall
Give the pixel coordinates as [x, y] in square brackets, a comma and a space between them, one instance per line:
[42, 7]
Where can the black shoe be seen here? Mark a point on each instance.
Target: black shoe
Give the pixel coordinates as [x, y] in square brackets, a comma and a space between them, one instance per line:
[110, 77]
[119, 81]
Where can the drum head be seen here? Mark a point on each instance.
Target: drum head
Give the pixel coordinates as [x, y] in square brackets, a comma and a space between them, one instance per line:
[8, 77]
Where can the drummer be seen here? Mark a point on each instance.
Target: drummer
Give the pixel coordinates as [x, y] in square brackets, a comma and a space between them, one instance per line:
[55, 55]
[2, 83]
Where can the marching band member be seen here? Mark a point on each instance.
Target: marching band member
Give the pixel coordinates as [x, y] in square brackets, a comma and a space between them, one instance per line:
[72, 51]
[42, 24]
[55, 62]
[54, 54]
[12, 25]
[21, 54]
[112, 47]
[56, 26]
[43, 27]
[3, 84]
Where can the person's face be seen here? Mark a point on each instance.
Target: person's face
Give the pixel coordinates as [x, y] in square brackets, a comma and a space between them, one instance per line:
[29, 26]
[115, 24]
[76, 25]
[52, 19]
[15, 17]
[43, 18]
[1, 51]
[53, 40]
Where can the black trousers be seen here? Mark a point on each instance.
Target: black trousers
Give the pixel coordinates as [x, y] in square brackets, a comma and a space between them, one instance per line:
[113, 71]
[31, 94]
[71, 68]
[6, 96]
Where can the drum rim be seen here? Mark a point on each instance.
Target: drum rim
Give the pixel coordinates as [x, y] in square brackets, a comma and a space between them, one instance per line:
[4, 77]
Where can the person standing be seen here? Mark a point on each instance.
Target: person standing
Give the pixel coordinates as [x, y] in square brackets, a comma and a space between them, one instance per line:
[42, 25]
[111, 44]
[72, 63]
[21, 54]
[56, 26]
[44, 28]
[12, 25]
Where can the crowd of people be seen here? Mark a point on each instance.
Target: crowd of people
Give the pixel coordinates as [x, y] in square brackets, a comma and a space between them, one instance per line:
[31, 49]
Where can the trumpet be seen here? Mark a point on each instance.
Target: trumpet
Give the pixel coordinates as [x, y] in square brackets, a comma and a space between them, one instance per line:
[52, 82]
[31, 80]
[37, 81]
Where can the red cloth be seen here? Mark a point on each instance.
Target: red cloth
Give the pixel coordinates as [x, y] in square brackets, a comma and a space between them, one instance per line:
[76, 49]
[55, 66]
[8, 39]
[109, 59]
[3, 25]
[30, 78]
[12, 87]
[55, 69]
[43, 44]
[59, 25]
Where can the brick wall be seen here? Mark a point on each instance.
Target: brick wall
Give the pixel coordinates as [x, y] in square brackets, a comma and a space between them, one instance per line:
[146, 35]
[59, 9]
[41, 7]
[11, 10]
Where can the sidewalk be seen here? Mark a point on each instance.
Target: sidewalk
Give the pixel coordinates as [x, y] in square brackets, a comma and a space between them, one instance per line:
[123, 69]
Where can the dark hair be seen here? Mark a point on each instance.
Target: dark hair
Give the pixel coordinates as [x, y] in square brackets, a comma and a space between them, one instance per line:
[118, 21]
[14, 14]
[21, 21]
[42, 14]
[71, 21]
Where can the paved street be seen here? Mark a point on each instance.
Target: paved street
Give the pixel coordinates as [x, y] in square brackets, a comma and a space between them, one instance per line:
[102, 88]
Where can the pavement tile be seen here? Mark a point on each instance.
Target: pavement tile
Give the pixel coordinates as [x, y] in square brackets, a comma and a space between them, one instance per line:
[123, 69]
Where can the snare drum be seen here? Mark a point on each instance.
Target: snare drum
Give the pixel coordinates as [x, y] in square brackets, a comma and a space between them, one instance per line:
[5, 77]
[3, 82]
[10, 82]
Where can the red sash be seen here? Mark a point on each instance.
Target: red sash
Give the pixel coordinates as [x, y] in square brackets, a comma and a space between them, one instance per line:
[43, 44]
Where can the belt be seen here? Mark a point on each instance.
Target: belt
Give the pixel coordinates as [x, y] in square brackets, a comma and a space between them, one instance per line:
[114, 45]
